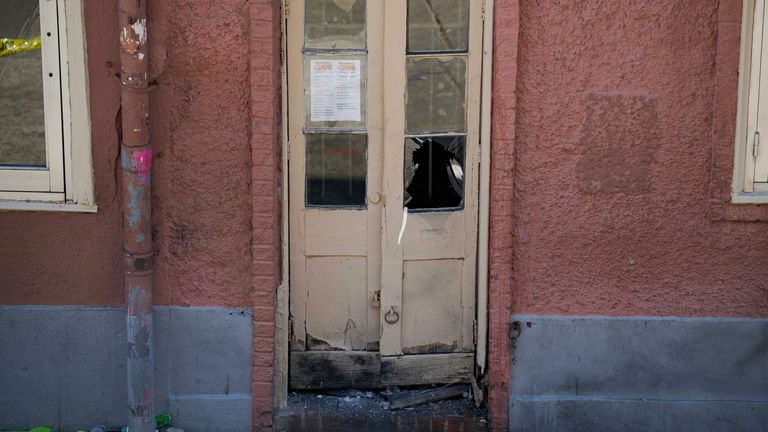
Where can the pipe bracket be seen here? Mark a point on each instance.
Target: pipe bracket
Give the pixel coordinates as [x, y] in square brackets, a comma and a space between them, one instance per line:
[138, 263]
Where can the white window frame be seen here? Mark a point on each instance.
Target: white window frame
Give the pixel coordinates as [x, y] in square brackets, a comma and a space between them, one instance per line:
[66, 182]
[744, 189]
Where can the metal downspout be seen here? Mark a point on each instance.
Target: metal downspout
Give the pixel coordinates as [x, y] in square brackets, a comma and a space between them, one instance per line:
[136, 162]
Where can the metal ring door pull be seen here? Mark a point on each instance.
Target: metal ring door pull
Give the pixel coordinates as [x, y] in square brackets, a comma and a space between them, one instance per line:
[391, 317]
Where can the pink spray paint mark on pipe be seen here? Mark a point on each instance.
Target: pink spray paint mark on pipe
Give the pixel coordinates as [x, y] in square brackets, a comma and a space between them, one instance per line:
[143, 162]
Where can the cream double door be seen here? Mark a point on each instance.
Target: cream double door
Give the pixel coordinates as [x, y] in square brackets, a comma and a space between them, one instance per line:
[383, 131]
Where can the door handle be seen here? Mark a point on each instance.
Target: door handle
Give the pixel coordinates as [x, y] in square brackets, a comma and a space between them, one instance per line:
[391, 317]
[374, 197]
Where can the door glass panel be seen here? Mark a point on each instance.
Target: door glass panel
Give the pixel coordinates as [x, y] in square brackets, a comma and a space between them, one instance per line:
[435, 98]
[334, 24]
[336, 170]
[22, 125]
[335, 95]
[434, 172]
[438, 25]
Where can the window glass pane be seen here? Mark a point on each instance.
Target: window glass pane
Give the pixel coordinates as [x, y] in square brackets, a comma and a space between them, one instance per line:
[336, 169]
[334, 24]
[22, 125]
[438, 25]
[435, 100]
[434, 172]
[334, 87]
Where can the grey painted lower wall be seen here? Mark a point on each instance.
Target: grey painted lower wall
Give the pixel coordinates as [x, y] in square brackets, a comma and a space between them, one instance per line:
[638, 374]
[65, 367]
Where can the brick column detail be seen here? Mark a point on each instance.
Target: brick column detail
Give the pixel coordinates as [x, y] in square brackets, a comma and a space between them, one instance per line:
[505, 55]
[265, 123]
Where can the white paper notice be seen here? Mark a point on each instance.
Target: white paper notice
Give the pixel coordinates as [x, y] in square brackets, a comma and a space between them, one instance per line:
[335, 94]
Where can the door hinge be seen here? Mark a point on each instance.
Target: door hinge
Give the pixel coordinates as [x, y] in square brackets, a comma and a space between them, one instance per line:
[290, 329]
[474, 332]
[375, 301]
[288, 149]
[756, 144]
[287, 6]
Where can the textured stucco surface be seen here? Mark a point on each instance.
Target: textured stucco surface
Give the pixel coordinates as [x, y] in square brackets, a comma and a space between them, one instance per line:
[202, 171]
[612, 165]
[200, 129]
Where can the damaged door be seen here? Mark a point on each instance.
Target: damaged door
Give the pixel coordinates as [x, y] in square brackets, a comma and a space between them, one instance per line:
[383, 125]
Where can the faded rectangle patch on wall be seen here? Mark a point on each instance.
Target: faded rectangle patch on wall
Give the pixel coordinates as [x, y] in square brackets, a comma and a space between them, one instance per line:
[618, 140]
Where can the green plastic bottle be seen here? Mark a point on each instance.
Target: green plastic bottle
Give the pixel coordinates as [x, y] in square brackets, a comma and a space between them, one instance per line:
[163, 420]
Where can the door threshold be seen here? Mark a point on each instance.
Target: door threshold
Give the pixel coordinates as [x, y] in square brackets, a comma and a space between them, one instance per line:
[311, 370]
[360, 410]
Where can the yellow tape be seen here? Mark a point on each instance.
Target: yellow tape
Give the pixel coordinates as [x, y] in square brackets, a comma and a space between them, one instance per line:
[14, 46]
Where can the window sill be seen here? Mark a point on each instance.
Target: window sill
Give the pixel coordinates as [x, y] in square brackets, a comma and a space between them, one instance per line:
[749, 198]
[38, 206]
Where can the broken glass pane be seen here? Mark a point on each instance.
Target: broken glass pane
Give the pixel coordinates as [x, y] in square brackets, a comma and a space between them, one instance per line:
[334, 24]
[434, 172]
[435, 99]
[336, 169]
[438, 25]
[22, 125]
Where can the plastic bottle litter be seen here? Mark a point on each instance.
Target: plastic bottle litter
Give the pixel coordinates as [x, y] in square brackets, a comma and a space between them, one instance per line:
[162, 421]
[99, 428]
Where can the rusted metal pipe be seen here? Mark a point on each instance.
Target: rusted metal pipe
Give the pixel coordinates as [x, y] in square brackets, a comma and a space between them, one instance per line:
[136, 161]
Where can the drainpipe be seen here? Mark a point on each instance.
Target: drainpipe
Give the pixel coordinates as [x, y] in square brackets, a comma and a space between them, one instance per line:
[136, 161]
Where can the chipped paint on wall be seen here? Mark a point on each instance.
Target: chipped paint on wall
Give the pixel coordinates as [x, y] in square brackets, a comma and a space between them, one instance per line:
[134, 37]
[134, 205]
[140, 29]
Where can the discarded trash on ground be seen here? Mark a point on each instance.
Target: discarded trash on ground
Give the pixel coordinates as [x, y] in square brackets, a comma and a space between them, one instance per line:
[405, 399]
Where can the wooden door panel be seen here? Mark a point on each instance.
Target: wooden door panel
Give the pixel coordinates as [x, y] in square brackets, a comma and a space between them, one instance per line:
[431, 102]
[336, 232]
[334, 165]
[437, 235]
[432, 313]
[350, 264]
[337, 311]
[312, 370]
[427, 369]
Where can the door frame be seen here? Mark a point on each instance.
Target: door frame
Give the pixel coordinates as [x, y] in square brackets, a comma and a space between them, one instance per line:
[282, 303]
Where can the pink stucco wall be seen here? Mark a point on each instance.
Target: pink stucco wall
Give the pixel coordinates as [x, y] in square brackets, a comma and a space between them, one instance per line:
[613, 148]
[612, 152]
[612, 136]
[215, 122]
[613, 139]
[202, 171]
[200, 129]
